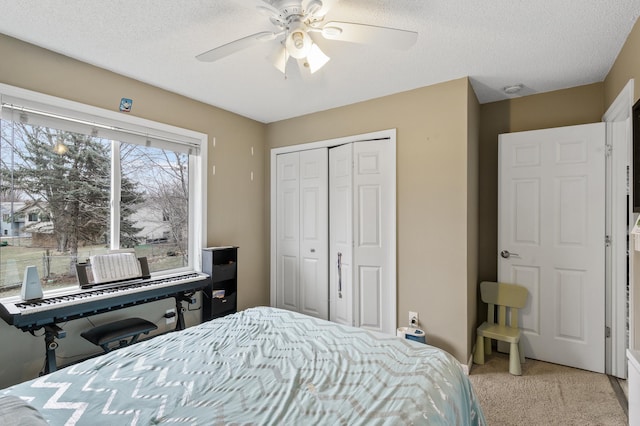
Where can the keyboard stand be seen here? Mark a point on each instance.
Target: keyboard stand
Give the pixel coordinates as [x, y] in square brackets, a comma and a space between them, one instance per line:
[51, 332]
[180, 324]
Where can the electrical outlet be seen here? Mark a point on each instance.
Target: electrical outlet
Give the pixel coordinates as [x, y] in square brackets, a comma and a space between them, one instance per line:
[170, 315]
[413, 319]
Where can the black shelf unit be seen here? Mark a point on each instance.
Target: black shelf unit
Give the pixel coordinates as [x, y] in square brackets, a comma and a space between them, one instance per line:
[221, 263]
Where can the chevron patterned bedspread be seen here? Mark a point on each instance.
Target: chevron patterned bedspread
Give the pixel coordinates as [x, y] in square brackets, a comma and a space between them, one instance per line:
[260, 366]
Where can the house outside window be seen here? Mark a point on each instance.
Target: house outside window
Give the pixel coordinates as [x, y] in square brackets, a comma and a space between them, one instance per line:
[99, 187]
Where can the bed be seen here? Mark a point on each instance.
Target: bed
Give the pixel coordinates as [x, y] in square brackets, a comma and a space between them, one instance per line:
[258, 366]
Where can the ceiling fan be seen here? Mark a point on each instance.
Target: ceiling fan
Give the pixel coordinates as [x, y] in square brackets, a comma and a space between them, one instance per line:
[297, 23]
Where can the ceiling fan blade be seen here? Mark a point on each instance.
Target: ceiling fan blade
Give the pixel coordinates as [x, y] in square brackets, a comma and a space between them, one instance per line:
[235, 46]
[325, 6]
[369, 34]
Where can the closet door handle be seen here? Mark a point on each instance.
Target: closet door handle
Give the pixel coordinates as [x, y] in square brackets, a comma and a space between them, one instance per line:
[339, 275]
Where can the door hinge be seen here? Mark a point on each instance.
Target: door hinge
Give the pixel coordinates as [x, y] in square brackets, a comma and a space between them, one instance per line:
[608, 150]
[607, 332]
[607, 240]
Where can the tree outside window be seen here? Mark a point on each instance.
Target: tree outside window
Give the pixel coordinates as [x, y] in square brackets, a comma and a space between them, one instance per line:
[71, 176]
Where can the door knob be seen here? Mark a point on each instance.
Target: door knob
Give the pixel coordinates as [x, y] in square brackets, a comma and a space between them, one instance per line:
[506, 254]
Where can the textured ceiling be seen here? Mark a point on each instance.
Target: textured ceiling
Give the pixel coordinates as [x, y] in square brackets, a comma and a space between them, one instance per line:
[543, 44]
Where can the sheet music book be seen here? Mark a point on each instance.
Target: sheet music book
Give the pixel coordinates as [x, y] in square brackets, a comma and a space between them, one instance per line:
[115, 267]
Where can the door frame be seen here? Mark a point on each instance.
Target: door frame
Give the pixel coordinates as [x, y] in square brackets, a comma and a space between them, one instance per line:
[382, 134]
[616, 277]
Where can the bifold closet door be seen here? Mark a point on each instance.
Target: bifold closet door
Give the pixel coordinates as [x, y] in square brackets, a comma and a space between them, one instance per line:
[362, 235]
[302, 232]
[341, 234]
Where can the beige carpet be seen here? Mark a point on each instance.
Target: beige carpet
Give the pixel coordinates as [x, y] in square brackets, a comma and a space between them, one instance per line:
[545, 394]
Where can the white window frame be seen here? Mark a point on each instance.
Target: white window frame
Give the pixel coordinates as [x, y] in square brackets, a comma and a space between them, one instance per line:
[197, 164]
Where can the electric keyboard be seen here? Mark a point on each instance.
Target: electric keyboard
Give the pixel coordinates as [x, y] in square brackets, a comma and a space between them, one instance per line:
[77, 303]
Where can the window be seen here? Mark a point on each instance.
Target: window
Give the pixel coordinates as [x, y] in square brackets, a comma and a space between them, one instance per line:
[102, 181]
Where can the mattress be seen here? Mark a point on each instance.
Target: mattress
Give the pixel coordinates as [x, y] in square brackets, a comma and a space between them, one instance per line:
[260, 366]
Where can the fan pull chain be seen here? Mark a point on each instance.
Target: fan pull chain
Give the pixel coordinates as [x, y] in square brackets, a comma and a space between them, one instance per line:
[286, 58]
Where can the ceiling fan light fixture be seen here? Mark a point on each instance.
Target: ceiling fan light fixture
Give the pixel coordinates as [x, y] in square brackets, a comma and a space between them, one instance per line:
[295, 21]
[298, 44]
[316, 58]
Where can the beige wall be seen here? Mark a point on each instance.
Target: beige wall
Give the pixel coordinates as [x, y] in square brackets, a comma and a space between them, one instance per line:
[473, 219]
[432, 196]
[578, 105]
[627, 66]
[235, 203]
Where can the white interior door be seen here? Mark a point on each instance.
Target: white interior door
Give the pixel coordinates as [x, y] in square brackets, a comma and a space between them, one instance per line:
[341, 234]
[551, 236]
[302, 232]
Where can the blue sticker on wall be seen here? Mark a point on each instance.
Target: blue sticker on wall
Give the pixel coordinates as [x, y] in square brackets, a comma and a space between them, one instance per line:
[125, 104]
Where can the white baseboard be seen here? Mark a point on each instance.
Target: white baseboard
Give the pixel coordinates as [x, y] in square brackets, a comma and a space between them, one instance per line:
[467, 367]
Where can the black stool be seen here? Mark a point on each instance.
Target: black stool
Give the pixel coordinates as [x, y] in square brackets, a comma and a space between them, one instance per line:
[118, 331]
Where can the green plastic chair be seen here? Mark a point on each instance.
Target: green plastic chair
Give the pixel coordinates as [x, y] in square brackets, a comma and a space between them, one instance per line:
[500, 296]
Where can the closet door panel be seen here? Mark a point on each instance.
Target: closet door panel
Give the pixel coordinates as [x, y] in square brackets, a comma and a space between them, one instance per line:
[288, 231]
[341, 234]
[288, 270]
[374, 225]
[371, 302]
[314, 232]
